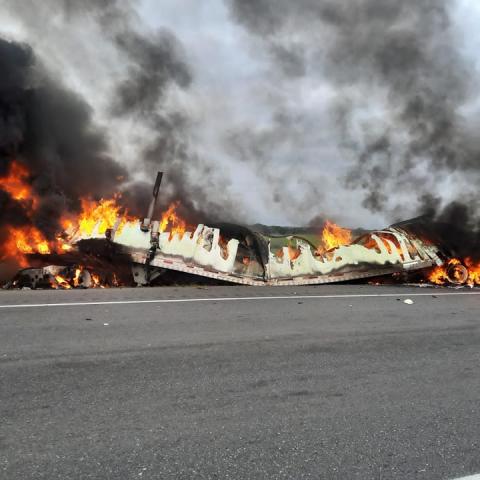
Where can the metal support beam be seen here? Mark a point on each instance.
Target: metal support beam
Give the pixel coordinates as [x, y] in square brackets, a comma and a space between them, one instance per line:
[145, 226]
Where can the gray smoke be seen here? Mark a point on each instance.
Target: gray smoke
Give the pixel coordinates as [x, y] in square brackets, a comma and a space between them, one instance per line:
[150, 71]
[318, 106]
[157, 64]
[400, 83]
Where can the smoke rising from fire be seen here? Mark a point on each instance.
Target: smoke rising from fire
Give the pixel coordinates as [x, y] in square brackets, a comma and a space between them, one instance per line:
[332, 103]
[140, 121]
[49, 129]
[401, 88]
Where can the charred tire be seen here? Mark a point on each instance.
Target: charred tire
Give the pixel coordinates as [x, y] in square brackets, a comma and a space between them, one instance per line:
[457, 274]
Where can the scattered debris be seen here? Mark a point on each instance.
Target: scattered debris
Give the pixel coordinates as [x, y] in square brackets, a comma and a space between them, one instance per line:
[408, 301]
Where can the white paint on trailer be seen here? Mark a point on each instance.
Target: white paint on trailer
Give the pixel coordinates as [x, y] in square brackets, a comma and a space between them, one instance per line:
[382, 251]
[203, 253]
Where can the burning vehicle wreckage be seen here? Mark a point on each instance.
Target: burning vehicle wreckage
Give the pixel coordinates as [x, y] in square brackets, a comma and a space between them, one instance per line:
[109, 248]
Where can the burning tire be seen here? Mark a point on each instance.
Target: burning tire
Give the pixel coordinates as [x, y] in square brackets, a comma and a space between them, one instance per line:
[457, 274]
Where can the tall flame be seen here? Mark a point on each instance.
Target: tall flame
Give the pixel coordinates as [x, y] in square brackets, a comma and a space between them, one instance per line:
[100, 216]
[334, 236]
[21, 240]
[104, 214]
[172, 219]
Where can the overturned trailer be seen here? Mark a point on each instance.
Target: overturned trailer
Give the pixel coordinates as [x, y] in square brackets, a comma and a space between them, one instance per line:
[237, 254]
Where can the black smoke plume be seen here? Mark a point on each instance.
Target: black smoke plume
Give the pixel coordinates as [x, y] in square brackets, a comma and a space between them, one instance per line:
[49, 129]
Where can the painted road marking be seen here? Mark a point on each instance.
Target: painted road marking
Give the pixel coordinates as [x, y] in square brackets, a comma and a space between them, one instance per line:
[239, 299]
[472, 477]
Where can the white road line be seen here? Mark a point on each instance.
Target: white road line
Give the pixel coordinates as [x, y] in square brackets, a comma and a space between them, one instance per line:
[237, 299]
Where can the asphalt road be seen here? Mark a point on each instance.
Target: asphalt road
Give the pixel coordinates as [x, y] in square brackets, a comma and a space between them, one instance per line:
[324, 383]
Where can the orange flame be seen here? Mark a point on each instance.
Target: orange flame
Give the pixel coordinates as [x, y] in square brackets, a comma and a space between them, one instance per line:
[22, 241]
[170, 218]
[97, 282]
[73, 279]
[26, 239]
[94, 216]
[293, 252]
[439, 275]
[334, 236]
[76, 278]
[473, 272]
[105, 213]
[62, 282]
[15, 182]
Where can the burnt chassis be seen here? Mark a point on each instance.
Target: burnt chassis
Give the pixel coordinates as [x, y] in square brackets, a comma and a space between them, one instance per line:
[237, 254]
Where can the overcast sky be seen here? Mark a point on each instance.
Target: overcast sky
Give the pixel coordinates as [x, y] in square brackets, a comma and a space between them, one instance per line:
[236, 92]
